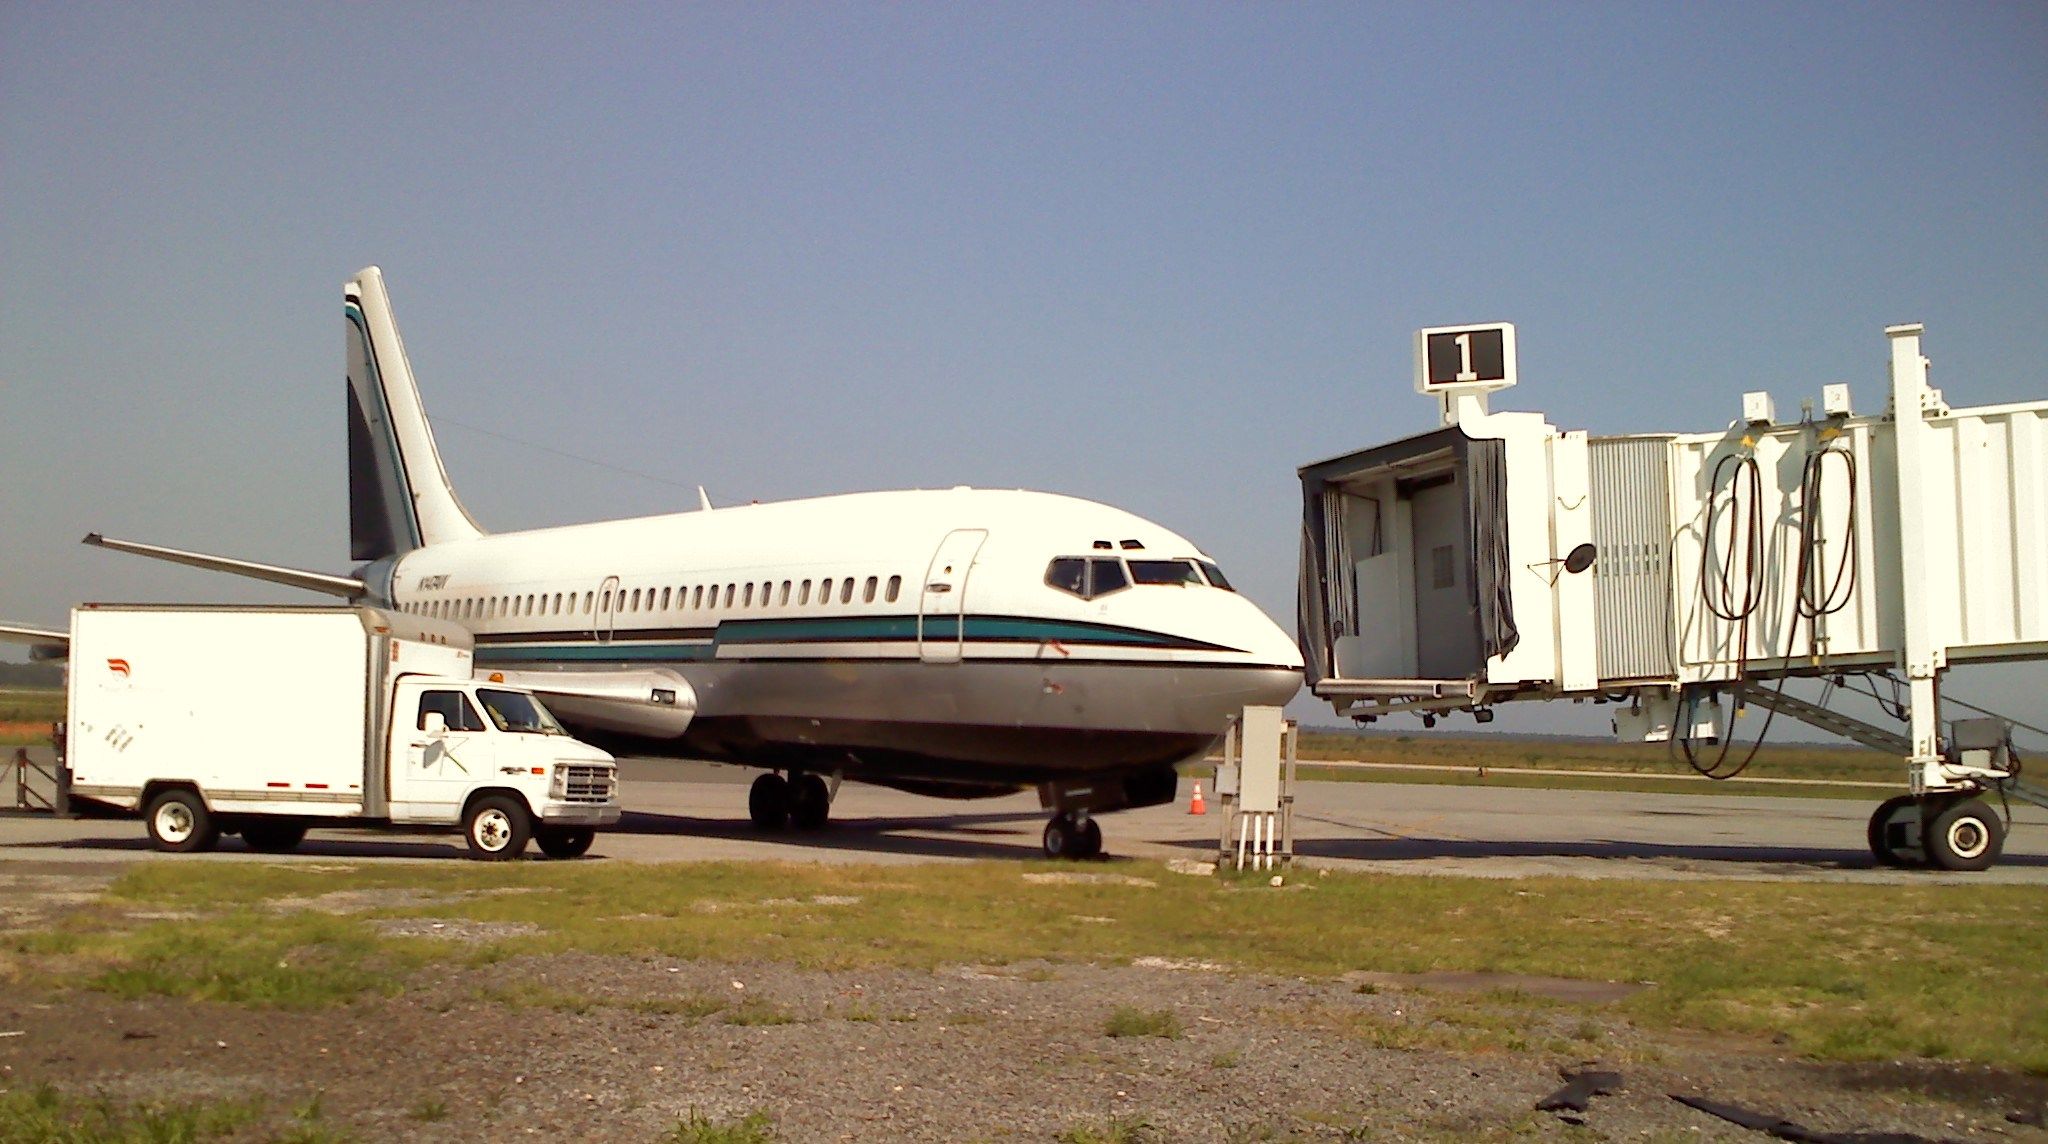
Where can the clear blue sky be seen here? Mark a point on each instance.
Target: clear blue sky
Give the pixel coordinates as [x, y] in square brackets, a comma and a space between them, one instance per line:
[1156, 255]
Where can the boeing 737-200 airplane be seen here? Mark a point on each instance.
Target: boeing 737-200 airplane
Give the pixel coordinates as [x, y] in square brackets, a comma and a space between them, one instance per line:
[960, 643]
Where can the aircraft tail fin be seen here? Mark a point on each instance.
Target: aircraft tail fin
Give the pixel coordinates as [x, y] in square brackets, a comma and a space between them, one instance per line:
[399, 496]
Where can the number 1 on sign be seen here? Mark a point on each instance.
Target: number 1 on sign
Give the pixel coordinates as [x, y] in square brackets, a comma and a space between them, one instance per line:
[1465, 370]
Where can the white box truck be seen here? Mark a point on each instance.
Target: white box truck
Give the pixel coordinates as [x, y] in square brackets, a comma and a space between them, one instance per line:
[264, 721]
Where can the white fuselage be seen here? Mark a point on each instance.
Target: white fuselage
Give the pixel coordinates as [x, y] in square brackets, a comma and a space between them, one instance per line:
[920, 635]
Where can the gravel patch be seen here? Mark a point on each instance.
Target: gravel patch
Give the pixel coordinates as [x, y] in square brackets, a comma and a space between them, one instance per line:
[585, 1047]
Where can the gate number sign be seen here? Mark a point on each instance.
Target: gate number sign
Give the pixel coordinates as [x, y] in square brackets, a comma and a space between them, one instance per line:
[1468, 358]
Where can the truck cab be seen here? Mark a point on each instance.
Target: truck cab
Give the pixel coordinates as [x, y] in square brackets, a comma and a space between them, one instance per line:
[456, 745]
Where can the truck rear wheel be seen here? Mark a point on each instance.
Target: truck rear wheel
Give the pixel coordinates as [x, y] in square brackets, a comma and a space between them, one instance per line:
[564, 841]
[178, 822]
[497, 828]
[267, 836]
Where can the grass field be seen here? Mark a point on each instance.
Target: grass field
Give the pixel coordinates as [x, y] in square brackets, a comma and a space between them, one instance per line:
[1839, 972]
[26, 715]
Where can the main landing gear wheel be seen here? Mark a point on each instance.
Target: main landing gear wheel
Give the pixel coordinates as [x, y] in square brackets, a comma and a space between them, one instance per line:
[1072, 835]
[1965, 835]
[810, 802]
[768, 802]
[1888, 835]
[178, 822]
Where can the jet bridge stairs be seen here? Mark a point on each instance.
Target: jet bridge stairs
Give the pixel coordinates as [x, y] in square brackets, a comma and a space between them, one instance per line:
[1679, 576]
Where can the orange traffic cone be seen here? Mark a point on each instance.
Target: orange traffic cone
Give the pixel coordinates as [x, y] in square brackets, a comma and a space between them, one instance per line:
[1195, 804]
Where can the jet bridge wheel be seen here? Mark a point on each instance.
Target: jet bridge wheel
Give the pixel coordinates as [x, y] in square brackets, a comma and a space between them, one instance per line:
[1072, 835]
[768, 802]
[1965, 835]
[1889, 840]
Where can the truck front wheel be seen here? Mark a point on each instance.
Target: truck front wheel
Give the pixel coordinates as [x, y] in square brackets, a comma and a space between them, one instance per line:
[565, 841]
[497, 828]
[178, 822]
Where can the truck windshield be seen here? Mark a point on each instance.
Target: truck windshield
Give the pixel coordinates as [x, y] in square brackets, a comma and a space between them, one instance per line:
[518, 711]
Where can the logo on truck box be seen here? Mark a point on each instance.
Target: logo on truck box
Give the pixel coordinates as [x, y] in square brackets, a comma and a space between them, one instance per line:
[118, 667]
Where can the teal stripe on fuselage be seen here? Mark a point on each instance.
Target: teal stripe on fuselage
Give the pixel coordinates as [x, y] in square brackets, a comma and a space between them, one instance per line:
[986, 629]
[821, 633]
[594, 652]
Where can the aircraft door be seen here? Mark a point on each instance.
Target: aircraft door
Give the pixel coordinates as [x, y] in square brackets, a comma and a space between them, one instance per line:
[605, 610]
[942, 604]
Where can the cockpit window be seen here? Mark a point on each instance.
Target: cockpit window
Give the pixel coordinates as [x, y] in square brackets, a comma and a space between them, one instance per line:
[1087, 576]
[1215, 576]
[1105, 575]
[1068, 574]
[1165, 572]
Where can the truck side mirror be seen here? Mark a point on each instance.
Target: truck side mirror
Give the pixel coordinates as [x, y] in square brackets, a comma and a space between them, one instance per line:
[435, 724]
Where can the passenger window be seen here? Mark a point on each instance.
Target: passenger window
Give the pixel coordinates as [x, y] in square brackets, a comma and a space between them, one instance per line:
[846, 590]
[747, 598]
[824, 591]
[784, 601]
[867, 593]
[664, 599]
[895, 588]
[452, 706]
[586, 603]
[728, 595]
[697, 597]
[803, 592]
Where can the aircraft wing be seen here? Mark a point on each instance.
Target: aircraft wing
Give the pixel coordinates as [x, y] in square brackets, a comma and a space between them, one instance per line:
[42, 643]
[656, 703]
[347, 587]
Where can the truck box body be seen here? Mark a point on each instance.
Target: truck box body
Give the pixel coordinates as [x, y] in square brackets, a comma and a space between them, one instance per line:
[265, 720]
[255, 706]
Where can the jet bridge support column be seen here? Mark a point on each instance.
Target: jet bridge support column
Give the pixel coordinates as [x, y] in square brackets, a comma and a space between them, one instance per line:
[1924, 657]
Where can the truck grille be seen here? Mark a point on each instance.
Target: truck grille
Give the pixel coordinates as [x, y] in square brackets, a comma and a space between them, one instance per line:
[587, 783]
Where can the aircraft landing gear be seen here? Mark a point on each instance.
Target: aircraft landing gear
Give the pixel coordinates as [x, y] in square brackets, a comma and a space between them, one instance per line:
[803, 801]
[1073, 834]
[810, 802]
[768, 802]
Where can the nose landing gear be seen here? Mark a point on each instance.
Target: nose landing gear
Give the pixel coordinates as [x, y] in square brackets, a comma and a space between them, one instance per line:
[1073, 834]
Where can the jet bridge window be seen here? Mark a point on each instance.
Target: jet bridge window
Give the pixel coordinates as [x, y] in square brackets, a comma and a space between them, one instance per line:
[1087, 576]
[452, 706]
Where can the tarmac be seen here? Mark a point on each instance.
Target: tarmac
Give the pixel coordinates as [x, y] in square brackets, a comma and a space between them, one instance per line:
[681, 812]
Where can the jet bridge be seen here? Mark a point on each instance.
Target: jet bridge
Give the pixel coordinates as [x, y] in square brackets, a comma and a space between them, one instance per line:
[1682, 575]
